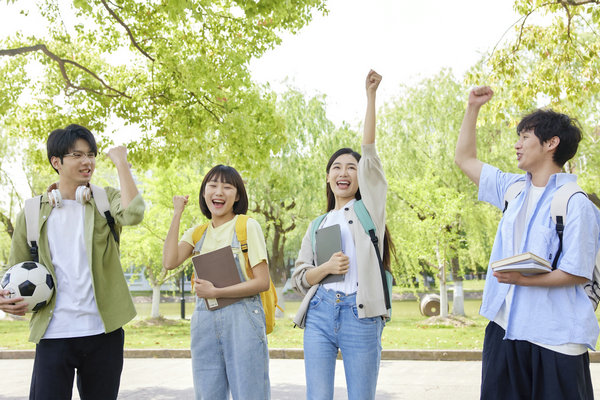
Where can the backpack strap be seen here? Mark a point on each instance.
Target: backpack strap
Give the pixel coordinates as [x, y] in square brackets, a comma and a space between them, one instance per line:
[241, 233]
[367, 223]
[240, 236]
[32, 224]
[512, 192]
[558, 211]
[314, 227]
[198, 236]
[103, 206]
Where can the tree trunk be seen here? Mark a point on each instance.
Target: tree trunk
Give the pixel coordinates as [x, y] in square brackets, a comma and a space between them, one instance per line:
[277, 260]
[443, 290]
[155, 301]
[458, 301]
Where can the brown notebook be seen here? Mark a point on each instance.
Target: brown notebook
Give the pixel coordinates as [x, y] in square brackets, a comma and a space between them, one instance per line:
[219, 268]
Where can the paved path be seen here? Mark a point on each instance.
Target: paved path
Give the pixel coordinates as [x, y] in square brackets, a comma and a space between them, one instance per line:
[170, 379]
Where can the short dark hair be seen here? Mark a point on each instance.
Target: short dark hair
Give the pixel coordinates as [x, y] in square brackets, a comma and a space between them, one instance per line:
[225, 174]
[334, 156]
[61, 141]
[548, 123]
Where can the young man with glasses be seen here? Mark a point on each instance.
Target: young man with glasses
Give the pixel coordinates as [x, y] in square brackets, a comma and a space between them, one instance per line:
[81, 327]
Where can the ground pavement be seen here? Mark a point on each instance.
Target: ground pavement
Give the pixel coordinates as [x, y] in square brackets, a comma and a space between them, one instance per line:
[170, 379]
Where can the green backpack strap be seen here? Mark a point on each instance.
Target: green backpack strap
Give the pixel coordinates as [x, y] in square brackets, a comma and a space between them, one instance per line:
[367, 223]
[314, 227]
[363, 216]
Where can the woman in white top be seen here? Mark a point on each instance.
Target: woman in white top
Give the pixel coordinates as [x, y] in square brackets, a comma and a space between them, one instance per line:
[348, 315]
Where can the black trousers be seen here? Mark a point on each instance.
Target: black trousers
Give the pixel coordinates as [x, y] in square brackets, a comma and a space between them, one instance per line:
[518, 369]
[98, 360]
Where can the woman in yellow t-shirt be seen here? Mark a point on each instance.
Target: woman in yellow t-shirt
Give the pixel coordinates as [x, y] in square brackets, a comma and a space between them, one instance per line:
[229, 344]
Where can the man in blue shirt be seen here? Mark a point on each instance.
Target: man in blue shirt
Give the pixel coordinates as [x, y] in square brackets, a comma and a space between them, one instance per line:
[541, 326]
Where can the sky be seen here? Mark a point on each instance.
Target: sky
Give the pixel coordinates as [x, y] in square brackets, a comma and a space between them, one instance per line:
[405, 41]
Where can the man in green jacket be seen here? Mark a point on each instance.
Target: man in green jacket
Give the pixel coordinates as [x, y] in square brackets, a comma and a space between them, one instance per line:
[81, 327]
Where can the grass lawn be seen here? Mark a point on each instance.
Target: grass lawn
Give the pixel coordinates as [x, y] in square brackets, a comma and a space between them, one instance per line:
[402, 332]
[472, 285]
[406, 330]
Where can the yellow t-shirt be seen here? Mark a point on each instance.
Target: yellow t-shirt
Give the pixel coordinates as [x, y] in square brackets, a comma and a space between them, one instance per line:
[222, 236]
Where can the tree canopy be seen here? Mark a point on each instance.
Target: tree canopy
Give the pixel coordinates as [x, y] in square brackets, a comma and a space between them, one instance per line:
[175, 71]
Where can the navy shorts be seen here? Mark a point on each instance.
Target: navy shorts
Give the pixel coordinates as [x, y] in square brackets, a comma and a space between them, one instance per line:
[518, 369]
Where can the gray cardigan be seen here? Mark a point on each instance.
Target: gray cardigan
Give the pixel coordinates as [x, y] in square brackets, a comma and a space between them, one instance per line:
[369, 296]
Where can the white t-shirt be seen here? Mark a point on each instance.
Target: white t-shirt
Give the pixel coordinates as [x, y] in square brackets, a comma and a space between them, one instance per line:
[573, 349]
[350, 283]
[76, 313]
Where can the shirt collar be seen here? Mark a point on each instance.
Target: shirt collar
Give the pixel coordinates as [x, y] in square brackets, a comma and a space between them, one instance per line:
[555, 180]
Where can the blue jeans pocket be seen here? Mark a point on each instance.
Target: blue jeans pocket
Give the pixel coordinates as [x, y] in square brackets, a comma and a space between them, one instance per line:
[256, 317]
[314, 302]
[365, 321]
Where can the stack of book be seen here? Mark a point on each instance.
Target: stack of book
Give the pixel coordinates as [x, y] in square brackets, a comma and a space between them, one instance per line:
[525, 263]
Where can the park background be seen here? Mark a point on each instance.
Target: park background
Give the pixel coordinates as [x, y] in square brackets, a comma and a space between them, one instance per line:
[273, 88]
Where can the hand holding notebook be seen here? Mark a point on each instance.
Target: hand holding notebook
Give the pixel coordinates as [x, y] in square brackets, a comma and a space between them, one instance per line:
[329, 242]
[220, 269]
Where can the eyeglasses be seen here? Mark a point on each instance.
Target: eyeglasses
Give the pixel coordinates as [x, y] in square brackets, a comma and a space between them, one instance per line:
[79, 155]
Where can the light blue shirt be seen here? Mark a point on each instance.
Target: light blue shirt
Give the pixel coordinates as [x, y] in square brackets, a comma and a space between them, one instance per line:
[546, 315]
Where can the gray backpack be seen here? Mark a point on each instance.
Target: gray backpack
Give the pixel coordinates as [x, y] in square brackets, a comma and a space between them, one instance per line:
[558, 211]
[32, 218]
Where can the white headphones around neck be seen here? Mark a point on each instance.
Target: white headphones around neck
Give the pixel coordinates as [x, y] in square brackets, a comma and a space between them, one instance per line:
[83, 194]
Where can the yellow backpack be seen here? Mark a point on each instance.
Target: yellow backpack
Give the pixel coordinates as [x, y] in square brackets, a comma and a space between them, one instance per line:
[268, 297]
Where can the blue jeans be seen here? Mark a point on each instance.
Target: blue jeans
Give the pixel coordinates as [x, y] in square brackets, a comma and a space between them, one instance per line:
[229, 351]
[332, 323]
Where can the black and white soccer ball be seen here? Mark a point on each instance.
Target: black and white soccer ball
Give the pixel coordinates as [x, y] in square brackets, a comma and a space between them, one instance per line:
[29, 280]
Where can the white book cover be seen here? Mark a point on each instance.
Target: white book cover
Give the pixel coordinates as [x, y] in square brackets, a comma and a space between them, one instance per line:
[526, 263]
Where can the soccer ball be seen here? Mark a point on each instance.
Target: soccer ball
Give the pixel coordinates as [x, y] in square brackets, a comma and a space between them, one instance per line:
[29, 280]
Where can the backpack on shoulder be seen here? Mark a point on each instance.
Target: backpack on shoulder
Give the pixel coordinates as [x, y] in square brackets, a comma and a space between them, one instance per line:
[367, 223]
[32, 217]
[558, 212]
[268, 297]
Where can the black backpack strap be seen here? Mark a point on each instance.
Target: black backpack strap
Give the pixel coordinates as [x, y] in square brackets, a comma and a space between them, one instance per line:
[560, 228]
[386, 293]
[558, 212]
[111, 224]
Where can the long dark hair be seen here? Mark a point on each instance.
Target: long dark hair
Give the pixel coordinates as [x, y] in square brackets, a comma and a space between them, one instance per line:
[388, 245]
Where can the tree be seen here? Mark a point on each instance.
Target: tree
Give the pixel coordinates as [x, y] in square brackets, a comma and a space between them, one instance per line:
[551, 60]
[433, 212]
[142, 245]
[552, 55]
[175, 71]
[291, 194]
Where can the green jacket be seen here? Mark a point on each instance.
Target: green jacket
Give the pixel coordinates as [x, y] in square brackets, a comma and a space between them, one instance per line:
[110, 287]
